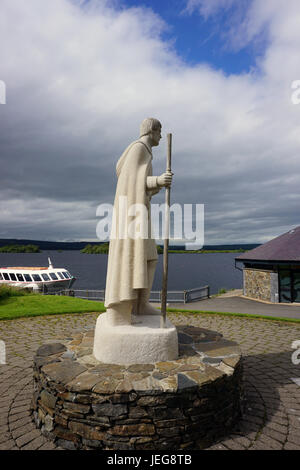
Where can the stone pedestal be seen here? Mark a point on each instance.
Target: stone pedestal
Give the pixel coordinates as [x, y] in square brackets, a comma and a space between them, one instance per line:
[186, 403]
[144, 342]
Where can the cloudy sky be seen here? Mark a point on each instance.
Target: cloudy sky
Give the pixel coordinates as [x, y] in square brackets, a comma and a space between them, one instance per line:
[81, 75]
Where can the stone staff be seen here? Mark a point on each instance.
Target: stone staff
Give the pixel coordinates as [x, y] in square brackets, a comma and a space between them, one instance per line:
[166, 239]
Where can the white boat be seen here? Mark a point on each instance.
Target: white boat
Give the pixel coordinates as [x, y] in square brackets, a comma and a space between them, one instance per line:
[37, 278]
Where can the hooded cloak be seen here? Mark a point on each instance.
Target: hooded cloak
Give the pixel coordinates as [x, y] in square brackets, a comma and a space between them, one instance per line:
[127, 258]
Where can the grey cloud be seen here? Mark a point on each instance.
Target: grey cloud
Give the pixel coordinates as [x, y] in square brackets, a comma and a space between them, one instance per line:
[78, 86]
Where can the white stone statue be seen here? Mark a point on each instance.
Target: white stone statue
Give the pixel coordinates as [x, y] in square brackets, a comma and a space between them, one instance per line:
[131, 263]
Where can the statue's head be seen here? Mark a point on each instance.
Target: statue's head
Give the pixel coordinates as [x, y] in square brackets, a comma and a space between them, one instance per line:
[151, 127]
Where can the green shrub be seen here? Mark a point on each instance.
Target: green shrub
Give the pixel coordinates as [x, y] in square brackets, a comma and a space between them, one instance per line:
[20, 249]
[10, 291]
[102, 248]
[222, 291]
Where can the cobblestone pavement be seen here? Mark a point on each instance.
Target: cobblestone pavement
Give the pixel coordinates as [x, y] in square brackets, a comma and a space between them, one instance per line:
[272, 407]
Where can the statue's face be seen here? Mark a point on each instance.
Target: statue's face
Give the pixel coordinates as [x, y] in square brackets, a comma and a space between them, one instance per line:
[156, 136]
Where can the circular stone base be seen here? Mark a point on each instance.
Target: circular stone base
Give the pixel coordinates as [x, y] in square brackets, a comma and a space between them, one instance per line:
[145, 339]
[187, 403]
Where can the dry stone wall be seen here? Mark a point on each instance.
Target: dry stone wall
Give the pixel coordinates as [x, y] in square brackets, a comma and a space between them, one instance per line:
[81, 403]
[257, 284]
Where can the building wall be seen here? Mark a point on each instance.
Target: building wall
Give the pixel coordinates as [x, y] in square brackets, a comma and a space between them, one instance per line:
[274, 287]
[262, 285]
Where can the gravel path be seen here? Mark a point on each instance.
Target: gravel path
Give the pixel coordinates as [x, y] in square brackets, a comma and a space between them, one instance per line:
[272, 412]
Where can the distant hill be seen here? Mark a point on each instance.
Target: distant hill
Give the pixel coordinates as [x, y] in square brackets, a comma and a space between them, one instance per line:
[237, 246]
[45, 245]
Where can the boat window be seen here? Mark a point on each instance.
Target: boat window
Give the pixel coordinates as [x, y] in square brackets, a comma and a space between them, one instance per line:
[1, 277]
[53, 276]
[36, 277]
[20, 277]
[6, 276]
[13, 276]
[69, 274]
[61, 275]
[45, 277]
[27, 277]
[66, 275]
[262, 267]
[296, 286]
[285, 286]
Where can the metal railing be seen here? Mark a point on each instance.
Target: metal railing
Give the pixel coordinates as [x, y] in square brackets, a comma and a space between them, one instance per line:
[185, 296]
[199, 293]
[182, 296]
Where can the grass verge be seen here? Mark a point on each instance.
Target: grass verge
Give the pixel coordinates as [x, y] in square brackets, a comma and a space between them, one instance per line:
[37, 305]
[234, 314]
[32, 305]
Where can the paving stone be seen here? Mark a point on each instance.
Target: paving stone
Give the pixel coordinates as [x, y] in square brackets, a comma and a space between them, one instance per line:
[4, 410]
[258, 338]
[83, 382]
[256, 413]
[63, 372]
[49, 349]
[258, 445]
[257, 420]
[222, 348]
[278, 436]
[8, 445]
[242, 440]
[294, 438]
[35, 444]
[4, 437]
[140, 367]
[185, 382]
[48, 445]
[294, 422]
[19, 409]
[233, 445]
[3, 421]
[21, 403]
[270, 443]
[278, 420]
[217, 447]
[291, 446]
[17, 416]
[21, 431]
[28, 437]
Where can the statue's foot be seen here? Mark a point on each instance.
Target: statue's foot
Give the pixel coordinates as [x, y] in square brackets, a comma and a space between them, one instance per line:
[135, 319]
[148, 309]
[119, 316]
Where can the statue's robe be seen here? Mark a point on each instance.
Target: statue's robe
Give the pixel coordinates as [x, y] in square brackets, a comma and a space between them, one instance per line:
[128, 257]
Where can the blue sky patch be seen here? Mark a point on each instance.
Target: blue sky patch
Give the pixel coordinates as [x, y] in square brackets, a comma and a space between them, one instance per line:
[198, 40]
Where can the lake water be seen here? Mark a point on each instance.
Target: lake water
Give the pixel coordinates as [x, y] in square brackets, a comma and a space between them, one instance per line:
[186, 271]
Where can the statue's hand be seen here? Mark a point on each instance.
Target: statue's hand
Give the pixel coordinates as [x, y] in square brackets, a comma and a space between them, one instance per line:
[165, 179]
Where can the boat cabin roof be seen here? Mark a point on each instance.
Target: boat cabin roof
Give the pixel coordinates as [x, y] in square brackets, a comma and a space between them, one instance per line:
[25, 269]
[30, 268]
